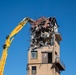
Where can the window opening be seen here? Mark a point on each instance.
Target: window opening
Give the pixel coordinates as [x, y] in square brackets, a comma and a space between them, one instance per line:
[33, 69]
[49, 57]
[34, 54]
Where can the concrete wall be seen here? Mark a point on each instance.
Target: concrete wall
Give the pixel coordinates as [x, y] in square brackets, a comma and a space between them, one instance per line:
[43, 69]
[39, 58]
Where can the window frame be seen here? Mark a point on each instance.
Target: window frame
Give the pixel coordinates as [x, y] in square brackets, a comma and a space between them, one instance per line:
[34, 70]
[34, 54]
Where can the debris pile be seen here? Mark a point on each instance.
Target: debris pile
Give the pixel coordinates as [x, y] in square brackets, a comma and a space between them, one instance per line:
[41, 32]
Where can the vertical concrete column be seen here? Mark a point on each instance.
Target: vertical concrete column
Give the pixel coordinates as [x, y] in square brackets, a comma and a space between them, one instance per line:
[53, 53]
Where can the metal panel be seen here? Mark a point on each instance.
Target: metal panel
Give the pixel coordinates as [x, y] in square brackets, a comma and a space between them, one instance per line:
[44, 57]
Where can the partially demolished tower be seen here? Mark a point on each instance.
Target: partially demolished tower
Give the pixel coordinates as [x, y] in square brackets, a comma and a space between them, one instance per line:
[44, 51]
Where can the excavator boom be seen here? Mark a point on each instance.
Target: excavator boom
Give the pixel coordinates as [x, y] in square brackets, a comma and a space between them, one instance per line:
[8, 42]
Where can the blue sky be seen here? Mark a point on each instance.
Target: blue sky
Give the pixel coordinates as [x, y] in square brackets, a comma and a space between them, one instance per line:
[13, 11]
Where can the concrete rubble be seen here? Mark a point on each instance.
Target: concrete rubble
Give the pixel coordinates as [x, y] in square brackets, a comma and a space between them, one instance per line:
[41, 32]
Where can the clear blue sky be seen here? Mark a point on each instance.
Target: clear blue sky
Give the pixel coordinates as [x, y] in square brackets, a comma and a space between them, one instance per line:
[13, 11]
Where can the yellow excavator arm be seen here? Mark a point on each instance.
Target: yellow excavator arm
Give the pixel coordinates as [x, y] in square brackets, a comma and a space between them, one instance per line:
[8, 42]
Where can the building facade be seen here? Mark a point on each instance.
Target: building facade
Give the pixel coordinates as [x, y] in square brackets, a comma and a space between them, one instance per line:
[44, 51]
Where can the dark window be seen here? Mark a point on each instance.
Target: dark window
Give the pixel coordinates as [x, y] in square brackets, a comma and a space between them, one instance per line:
[49, 57]
[34, 54]
[33, 69]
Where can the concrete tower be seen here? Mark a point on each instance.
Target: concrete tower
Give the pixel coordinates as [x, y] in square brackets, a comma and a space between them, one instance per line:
[44, 51]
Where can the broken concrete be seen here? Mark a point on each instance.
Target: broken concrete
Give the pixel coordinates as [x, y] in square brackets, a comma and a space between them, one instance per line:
[41, 32]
